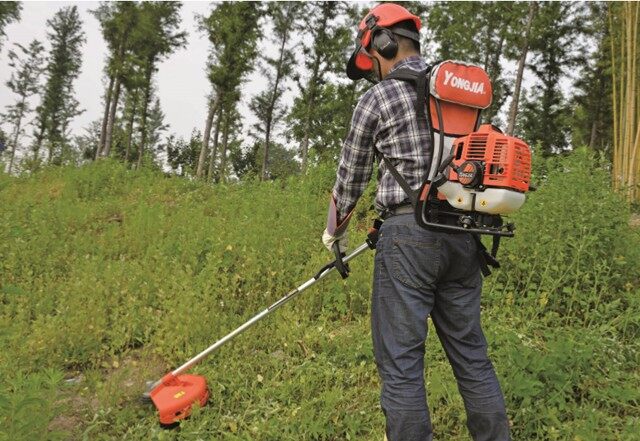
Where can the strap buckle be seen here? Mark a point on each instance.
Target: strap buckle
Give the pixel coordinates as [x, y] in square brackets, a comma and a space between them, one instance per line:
[371, 22]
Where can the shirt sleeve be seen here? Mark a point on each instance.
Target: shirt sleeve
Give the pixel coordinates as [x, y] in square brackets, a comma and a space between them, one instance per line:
[357, 156]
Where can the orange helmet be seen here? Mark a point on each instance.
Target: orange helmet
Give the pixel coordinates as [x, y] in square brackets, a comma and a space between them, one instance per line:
[379, 19]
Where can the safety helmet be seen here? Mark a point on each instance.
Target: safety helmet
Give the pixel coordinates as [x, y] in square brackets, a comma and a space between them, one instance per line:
[377, 21]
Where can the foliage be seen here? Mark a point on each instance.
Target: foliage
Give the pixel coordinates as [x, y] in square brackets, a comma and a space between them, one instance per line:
[182, 155]
[9, 12]
[330, 38]
[86, 144]
[24, 82]
[158, 36]
[232, 28]
[110, 277]
[557, 46]
[592, 113]
[267, 105]
[478, 40]
[59, 105]
[119, 22]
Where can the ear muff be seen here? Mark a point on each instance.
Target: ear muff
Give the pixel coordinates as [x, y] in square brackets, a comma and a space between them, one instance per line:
[384, 42]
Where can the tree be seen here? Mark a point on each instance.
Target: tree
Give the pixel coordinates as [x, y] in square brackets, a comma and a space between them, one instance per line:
[556, 48]
[158, 36]
[456, 28]
[623, 23]
[117, 21]
[182, 156]
[3, 141]
[329, 124]
[266, 105]
[214, 149]
[9, 11]
[133, 93]
[591, 120]
[24, 82]
[231, 125]
[481, 33]
[330, 40]
[155, 125]
[522, 59]
[282, 162]
[87, 143]
[232, 29]
[58, 106]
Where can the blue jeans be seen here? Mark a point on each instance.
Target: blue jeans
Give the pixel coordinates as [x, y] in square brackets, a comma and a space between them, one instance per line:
[419, 273]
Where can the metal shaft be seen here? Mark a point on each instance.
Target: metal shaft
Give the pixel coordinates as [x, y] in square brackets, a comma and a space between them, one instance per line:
[195, 360]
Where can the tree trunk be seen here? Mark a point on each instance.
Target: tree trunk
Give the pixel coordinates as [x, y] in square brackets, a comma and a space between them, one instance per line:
[494, 72]
[105, 117]
[595, 124]
[225, 143]
[16, 136]
[112, 119]
[513, 109]
[204, 150]
[272, 104]
[311, 87]
[214, 149]
[132, 115]
[39, 138]
[15, 146]
[626, 119]
[265, 155]
[487, 49]
[145, 109]
[305, 139]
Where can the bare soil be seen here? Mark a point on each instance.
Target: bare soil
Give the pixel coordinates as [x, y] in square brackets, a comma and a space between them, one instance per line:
[121, 381]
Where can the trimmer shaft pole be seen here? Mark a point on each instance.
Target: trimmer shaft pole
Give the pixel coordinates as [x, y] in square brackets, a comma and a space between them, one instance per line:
[195, 360]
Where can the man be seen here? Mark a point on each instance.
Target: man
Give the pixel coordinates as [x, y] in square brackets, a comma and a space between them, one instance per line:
[418, 272]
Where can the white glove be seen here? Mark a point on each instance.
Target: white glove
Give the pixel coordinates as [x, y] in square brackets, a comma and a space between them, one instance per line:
[328, 240]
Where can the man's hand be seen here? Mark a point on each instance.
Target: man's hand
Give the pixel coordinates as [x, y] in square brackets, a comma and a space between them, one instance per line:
[328, 240]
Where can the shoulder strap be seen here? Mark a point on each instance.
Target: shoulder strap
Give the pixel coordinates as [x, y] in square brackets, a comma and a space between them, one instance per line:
[413, 195]
[419, 79]
[403, 74]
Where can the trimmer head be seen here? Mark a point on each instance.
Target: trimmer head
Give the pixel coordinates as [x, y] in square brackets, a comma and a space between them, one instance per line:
[175, 396]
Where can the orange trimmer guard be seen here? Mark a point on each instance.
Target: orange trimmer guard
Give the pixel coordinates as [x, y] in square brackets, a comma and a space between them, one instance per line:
[176, 395]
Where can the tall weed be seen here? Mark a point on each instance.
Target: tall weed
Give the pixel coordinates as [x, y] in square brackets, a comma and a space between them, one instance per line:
[107, 275]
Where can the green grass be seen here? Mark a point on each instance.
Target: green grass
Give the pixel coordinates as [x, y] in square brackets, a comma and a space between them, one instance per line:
[110, 277]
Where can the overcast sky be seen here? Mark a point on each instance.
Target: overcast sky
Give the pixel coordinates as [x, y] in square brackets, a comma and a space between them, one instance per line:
[181, 79]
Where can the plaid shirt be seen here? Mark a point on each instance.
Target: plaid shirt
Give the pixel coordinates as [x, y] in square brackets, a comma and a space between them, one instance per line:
[385, 117]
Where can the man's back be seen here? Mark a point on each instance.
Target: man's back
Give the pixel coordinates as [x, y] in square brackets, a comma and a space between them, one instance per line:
[385, 119]
[418, 272]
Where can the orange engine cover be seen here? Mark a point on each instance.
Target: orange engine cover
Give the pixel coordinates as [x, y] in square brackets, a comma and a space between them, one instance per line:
[506, 160]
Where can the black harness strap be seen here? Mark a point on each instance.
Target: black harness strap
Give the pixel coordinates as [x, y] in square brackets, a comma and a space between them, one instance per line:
[413, 195]
[420, 79]
[486, 259]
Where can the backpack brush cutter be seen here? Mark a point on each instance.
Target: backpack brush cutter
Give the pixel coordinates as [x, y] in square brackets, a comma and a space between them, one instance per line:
[477, 174]
[175, 394]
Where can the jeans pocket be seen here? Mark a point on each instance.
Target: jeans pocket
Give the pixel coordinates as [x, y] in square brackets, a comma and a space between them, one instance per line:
[414, 262]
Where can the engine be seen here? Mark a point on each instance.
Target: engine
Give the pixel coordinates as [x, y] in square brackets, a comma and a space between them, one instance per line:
[489, 172]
